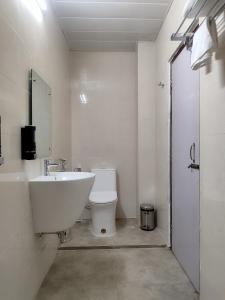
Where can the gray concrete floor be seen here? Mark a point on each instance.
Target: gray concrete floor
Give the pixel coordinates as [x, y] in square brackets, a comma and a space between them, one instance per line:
[128, 234]
[87, 273]
[116, 274]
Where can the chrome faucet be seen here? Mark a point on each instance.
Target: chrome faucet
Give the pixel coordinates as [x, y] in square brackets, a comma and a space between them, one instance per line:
[47, 164]
[58, 163]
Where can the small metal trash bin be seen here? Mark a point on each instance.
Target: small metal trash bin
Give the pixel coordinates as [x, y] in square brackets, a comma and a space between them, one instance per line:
[147, 212]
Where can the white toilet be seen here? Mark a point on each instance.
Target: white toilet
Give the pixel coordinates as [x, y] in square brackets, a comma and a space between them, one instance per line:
[103, 200]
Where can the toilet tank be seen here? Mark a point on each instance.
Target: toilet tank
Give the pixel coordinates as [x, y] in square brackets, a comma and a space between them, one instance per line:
[105, 180]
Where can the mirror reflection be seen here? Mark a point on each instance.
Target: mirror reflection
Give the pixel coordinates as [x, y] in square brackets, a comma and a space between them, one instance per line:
[40, 114]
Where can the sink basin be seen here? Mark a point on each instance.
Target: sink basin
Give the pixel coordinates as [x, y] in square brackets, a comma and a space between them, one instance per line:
[58, 200]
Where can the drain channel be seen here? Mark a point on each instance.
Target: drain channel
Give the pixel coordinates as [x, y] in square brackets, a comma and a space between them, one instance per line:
[111, 247]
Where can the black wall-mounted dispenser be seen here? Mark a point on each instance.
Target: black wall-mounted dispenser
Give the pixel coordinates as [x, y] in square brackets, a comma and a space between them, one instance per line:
[28, 143]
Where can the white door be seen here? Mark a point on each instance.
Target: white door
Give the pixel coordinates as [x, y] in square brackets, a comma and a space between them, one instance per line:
[185, 166]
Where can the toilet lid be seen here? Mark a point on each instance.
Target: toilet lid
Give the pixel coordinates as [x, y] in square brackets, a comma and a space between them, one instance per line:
[103, 197]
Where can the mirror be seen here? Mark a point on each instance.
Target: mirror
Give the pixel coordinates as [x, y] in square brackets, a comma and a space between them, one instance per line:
[40, 114]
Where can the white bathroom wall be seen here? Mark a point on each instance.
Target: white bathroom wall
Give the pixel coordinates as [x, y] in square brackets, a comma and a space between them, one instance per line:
[212, 130]
[27, 43]
[104, 130]
[212, 147]
[146, 55]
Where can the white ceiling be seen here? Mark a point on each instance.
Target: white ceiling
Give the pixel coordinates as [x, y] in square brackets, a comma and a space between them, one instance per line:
[110, 24]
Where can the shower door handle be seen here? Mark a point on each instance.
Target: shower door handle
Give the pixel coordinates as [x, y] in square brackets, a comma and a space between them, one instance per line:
[192, 152]
[193, 165]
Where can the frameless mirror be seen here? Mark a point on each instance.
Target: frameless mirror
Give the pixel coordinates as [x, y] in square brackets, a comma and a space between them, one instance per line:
[40, 114]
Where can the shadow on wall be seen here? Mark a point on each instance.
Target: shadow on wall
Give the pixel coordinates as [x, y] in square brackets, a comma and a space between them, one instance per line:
[119, 209]
[220, 53]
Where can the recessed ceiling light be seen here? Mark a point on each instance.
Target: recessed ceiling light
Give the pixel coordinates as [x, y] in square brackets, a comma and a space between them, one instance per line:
[83, 99]
[34, 9]
[42, 4]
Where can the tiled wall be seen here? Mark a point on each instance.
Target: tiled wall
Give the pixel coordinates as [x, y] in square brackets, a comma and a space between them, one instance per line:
[104, 130]
[146, 123]
[27, 43]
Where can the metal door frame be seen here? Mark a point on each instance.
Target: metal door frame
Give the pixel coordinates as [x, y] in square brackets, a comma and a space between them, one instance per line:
[172, 59]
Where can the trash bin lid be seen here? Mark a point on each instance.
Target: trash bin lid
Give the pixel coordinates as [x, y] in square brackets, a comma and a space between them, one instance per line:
[147, 206]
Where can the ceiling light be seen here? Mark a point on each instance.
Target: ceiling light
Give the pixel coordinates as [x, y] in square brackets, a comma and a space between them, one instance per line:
[34, 9]
[83, 99]
[42, 4]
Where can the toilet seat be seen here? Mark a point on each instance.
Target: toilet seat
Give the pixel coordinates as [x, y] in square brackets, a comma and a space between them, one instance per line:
[103, 197]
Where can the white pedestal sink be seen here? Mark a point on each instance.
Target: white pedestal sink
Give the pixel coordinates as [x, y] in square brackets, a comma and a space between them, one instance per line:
[58, 200]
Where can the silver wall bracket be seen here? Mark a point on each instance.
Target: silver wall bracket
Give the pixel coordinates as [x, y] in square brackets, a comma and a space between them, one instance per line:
[161, 84]
[187, 38]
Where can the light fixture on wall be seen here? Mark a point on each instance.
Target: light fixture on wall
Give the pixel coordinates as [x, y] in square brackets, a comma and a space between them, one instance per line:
[35, 7]
[83, 99]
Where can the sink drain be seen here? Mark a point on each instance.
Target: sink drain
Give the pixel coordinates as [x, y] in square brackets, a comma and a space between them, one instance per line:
[103, 230]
